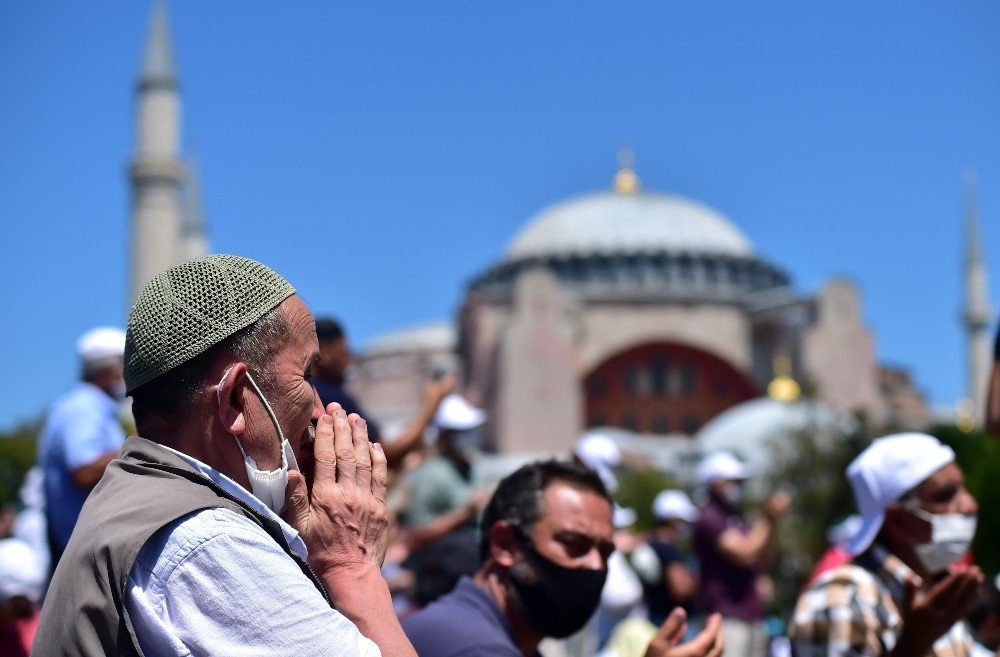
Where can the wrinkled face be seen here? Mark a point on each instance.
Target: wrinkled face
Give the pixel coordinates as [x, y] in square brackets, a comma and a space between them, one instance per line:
[289, 389]
[574, 529]
[942, 492]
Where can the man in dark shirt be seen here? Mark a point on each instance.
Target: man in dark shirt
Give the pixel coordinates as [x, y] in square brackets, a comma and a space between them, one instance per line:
[546, 539]
[666, 580]
[330, 376]
[731, 552]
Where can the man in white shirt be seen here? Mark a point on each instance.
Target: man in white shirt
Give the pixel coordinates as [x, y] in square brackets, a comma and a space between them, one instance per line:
[206, 535]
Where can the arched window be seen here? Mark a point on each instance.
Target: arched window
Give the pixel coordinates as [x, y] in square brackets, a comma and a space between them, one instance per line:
[663, 387]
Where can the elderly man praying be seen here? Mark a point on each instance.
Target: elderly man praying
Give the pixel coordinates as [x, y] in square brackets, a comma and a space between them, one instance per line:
[246, 519]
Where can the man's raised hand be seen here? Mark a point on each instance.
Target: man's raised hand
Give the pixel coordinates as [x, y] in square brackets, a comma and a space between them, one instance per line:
[342, 516]
[667, 642]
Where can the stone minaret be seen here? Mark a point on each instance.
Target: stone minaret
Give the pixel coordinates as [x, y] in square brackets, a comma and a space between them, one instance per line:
[976, 316]
[194, 238]
[156, 172]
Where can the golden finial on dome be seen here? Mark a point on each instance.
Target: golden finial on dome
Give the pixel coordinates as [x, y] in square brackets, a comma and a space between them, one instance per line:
[626, 182]
[783, 387]
[965, 415]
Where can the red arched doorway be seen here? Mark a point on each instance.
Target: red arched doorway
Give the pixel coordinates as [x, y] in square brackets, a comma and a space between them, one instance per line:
[662, 388]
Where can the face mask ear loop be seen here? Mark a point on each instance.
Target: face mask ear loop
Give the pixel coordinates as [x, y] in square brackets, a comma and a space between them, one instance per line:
[218, 397]
[274, 418]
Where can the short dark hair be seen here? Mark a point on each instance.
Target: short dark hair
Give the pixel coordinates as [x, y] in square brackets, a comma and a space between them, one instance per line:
[168, 394]
[518, 497]
[327, 329]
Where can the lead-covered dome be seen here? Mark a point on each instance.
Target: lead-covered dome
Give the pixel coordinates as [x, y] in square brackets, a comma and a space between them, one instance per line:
[609, 223]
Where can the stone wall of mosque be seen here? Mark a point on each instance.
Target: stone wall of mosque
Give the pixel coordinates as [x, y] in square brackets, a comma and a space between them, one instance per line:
[608, 329]
[526, 360]
[390, 384]
[838, 353]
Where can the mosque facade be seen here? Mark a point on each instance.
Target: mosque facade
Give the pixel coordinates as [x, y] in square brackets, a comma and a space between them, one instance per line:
[647, 312]
[626, 308]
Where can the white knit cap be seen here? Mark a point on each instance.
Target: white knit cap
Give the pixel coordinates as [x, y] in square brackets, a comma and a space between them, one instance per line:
[888, 469]
[600, 454]
[100, 343]
[674, 504]
[21, 571]
[722, 465]
[456, 413]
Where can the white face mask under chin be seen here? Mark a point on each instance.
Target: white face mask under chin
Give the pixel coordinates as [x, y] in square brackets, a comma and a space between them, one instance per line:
[268, 486]
[951, 536]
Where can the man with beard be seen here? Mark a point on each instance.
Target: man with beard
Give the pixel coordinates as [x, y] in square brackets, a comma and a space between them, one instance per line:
[204, 537]
[546, 539]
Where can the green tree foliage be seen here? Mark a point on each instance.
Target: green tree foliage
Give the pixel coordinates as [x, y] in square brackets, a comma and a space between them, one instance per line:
[17, 455]
[637, 489]
[810, 466]
[979, 457]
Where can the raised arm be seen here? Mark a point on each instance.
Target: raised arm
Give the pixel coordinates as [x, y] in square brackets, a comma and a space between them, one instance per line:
[748, 549]
[410, 438]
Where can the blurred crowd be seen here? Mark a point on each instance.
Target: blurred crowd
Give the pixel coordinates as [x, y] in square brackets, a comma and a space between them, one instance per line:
[541, 560]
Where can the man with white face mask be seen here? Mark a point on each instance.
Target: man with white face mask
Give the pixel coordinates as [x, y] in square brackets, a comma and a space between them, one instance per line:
[246, 519]
[903, 595]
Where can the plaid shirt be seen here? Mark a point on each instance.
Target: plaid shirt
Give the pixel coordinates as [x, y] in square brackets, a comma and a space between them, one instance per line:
[854, 610]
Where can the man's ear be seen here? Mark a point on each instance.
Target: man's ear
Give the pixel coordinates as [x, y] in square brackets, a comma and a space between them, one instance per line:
[230, 395]
[505, 545]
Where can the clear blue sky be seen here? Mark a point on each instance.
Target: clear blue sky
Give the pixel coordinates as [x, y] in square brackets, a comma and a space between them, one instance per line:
[379, 155]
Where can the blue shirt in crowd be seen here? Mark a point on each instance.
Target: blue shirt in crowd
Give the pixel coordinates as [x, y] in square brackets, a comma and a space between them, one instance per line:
[81, 427]
[465, 622]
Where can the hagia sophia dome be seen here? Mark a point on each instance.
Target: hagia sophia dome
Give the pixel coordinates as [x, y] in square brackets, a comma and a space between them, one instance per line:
[610, 222]
[629, 242]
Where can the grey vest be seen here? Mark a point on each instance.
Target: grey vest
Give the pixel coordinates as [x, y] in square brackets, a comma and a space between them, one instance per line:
[144, 489]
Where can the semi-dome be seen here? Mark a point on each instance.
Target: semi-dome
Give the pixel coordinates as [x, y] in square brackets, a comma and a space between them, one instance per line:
[438, 336]
[610, 223]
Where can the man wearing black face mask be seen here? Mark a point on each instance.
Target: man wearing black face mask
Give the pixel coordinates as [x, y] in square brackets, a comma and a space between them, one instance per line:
[546, 539]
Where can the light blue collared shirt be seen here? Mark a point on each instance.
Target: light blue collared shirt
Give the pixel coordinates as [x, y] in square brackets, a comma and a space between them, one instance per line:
[214, 583]
[82, 426]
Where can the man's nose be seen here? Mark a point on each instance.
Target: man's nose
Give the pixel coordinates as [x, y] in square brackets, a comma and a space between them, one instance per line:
[593, 560]
[317, 409]
[967, 504]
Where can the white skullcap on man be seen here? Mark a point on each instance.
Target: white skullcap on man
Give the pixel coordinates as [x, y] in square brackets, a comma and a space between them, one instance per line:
[100, 343]
[885, 471]
[674, 505]
[600, 454]
[722, 466]
[455, 413]
[22, 573]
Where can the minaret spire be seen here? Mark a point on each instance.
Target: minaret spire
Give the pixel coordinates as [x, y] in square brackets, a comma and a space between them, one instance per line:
[156, 172]
[158, 61]
[977, 312]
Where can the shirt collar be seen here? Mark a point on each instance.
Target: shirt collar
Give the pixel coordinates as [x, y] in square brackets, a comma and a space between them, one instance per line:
[103, 398]
[292, 537]
[890, 569]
